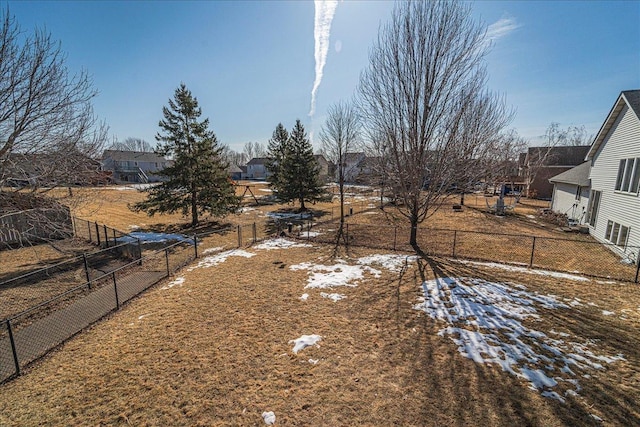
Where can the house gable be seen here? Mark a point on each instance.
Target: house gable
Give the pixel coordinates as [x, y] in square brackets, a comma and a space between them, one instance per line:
[617, 140]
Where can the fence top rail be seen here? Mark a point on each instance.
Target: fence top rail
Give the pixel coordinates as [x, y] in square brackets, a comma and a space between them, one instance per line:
[85, 284]
[451, 230]
[75, 218]
[66, 261]
[40, 270]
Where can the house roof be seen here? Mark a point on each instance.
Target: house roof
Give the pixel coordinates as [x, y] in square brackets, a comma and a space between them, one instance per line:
[561, 155]
[139, 156]
[353, 157]
[576, 176]
[257, 161]
[629, 98]
[320, 158]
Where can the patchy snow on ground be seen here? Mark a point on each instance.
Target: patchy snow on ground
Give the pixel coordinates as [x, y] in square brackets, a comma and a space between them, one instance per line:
[178, 281]
[332, 297]
[211, 250]
[485, 321]
[344, 274]
[607, 313]
[213, 260]
[269, 418]
[305, 341]
[266, 190]
[304, 297]
[288, 215]
[517, 269]
[280, 243]
[391, 262]
[307, 234]
[330, 276]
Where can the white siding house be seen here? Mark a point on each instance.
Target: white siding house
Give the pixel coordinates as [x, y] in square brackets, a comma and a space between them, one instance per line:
[614, 203]
[571, 193]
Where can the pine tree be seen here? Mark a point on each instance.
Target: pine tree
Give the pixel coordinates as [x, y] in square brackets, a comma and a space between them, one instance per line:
[299, 171]
[197, 182]
[276, 152]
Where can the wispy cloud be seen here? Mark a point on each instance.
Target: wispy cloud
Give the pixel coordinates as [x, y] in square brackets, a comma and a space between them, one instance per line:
[501, 28]
[325, 9]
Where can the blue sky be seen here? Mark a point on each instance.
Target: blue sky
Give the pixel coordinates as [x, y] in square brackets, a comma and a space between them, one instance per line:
[251, 64]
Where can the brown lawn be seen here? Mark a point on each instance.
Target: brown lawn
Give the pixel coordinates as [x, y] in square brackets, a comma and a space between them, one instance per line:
[215, 351]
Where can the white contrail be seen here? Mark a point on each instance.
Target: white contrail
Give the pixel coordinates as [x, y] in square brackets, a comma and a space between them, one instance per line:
[325, 9]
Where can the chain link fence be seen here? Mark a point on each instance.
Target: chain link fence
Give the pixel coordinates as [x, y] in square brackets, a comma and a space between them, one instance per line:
[586, 257]
[29, 334]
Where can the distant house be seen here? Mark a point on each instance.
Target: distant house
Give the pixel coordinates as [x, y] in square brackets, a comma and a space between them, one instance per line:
[353, 165]
[539, 164]
[235, 172]
[257, 168]
[571, 193]
[57, 169]
[613, 213]
[134, 166]
[324, 166]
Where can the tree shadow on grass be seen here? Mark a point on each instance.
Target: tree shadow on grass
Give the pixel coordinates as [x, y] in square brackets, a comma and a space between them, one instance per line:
[611, 393]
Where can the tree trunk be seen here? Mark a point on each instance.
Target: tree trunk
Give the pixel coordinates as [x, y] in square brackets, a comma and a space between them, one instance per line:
[194, 208]
[413, 239]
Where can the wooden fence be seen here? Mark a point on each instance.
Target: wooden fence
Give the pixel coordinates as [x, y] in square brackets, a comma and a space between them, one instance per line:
[35, 225]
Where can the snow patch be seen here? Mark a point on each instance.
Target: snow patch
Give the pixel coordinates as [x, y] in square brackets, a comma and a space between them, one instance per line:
[304, 297]
[178, 281]
[330, 276]
[281, 243]
[607, 313]
[211, 250]
[485, 321]
[213, 260]
[391, 262]
[332, 297]
[269, 418]
[517, 269]
[305, 341]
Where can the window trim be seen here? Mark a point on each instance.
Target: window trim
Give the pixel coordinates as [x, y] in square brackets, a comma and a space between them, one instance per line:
[628, 178]
[617, 234]
[594, 206]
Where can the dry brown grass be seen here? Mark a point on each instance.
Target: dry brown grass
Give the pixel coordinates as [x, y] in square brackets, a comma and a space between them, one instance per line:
[215, 351]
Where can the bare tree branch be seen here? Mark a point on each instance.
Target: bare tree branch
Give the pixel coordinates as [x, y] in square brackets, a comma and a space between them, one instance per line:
[423, 96]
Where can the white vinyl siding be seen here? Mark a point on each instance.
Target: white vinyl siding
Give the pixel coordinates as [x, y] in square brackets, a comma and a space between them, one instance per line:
[613, 165]
[571, 200]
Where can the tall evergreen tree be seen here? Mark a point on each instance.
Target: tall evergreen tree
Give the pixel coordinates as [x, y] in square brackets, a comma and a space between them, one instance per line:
[276, 152]
[197, 182]
[299, 170]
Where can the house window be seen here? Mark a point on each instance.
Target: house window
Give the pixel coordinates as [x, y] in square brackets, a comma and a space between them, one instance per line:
[616, 233]
[594, 205]
[628, 178]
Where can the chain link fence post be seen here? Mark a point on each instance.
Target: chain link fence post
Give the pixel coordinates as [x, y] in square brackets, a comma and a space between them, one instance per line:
[106, 236]
[89, 227]
[86, 269]
[115, 289]
[239, 236]
[195, 245]
[533, 249]
[254, 232]
[455, 238]
[14, 351]
[97, 232]
[637, 266]
[166, 257]
[139, 252]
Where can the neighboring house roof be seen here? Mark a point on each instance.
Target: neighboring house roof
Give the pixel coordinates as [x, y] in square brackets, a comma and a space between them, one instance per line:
[353, 157]
[257, 161]
[559, 156]
[234, 169]
[629, 98]
[140, 156]
[320, 158]
[576, 176]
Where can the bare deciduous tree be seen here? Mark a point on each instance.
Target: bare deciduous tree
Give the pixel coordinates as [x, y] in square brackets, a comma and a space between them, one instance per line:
[254, 149]
[421, 94]
[339, 135]
[48, 133]
[132, 144]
